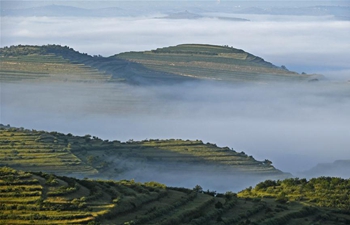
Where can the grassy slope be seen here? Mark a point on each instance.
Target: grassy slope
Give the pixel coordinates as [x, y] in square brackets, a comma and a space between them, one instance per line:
[212, 62]
[55, 62]
[38, 198]
[64, 154]
[162, 66]
[48, 67]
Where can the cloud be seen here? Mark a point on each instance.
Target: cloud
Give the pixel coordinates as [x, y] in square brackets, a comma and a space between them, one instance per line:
[300, 43]
[289, 124]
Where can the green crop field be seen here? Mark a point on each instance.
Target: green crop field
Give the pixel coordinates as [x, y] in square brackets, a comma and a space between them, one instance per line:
[40, 198]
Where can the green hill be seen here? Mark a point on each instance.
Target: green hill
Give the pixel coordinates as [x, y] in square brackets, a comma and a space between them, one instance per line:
[61, 63]
[47, 63]
[67, 154]
[322, 191]
[39, 198]
[169, 65]
[212, 62]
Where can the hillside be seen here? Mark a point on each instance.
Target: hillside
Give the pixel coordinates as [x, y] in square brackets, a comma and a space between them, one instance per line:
[212, 62]
[39, 198]
[337, 168]
[171, 161]
[47, 63]
[162, 66]
[61, 63]
[186, 15]
[322, 191]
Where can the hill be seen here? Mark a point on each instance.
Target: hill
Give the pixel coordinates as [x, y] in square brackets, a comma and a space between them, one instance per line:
[186, 15]
[337, 168]
[162, 66]
[39, 198]
[170, 161]
[212, 62]
[61, 63]
[322, 191]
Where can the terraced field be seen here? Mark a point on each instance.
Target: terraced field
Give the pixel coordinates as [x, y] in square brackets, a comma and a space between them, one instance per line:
[39, 151]
[212, 62]
[39, 198]
[47, 68]
[65, 154]
[51, 63]
[171, 65]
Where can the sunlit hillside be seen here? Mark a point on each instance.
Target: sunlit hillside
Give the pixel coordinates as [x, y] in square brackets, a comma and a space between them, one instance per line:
[212, 62]
[169, 65]
[40, 198]
[67, 154]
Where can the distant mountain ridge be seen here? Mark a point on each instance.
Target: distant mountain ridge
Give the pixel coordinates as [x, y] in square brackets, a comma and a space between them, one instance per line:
[337, 168]
[127, 10]
[189, 15]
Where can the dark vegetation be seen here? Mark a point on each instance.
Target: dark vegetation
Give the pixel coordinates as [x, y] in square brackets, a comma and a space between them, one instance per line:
[161, 66]
[323, 191]
[40, 198]
[65, 154]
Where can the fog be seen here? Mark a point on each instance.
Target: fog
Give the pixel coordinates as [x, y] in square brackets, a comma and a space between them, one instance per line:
[303, 44]
[294, 125]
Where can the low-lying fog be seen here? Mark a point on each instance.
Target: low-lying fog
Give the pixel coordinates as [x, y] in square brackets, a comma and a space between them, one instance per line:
[294, 125]
[302, 43]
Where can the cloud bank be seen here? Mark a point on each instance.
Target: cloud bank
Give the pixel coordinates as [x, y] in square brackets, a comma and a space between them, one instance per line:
[304, 44]
[295, 126]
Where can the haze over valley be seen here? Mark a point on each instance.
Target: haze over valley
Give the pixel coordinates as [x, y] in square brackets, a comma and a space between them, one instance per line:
[273, 83]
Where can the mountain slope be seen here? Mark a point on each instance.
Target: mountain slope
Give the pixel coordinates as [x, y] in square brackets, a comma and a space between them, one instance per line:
[212, 62]
[162, 66]
[171, 161]
[337, 168]
[39, 198]
[55, 62]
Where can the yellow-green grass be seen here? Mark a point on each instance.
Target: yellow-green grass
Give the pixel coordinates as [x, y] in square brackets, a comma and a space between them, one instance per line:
[31, 151]
[170, 65]
[130, 202]
[323, 191]
[47, 68]
[65, 154]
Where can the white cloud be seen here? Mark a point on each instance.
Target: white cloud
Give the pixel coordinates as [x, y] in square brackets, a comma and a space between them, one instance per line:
[314, 41]
[305, 124]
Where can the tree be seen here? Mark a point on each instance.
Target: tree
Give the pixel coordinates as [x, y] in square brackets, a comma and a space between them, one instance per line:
[284, 67]
[198, 189]
[267, 162]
